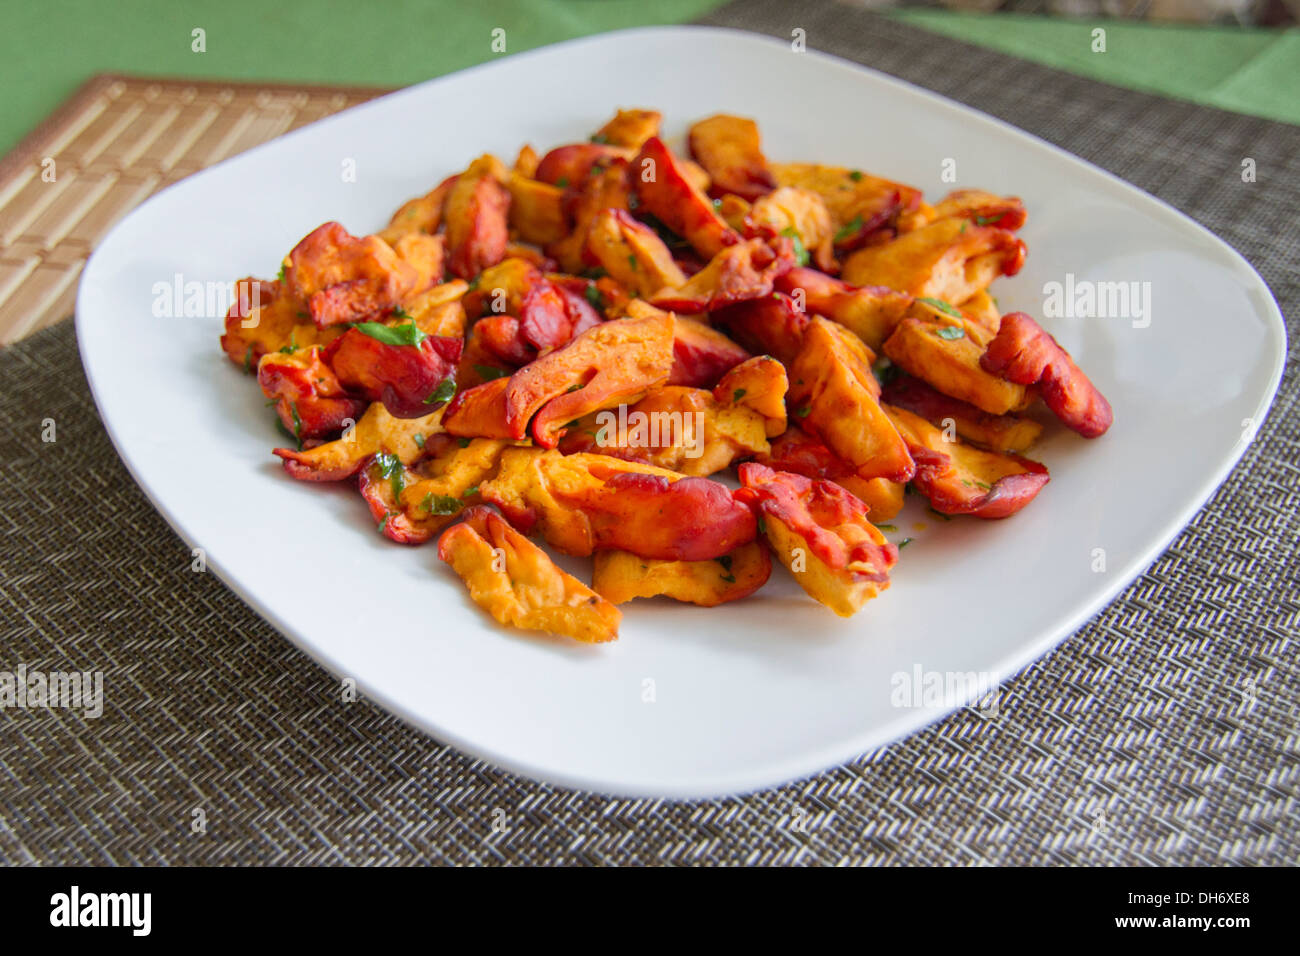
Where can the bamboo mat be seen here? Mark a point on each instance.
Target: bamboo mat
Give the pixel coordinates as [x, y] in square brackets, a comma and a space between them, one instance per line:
[119, 140]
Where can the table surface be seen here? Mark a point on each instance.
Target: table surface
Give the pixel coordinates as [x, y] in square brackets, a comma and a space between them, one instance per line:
[49, 50]
[1165, 731]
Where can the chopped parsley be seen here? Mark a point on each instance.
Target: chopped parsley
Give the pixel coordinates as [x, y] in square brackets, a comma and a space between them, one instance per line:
[600, 139]
[280, 275]
[463, 442]
[279, 423]
[562, 182]
[904, 543]
[407, 334]
[488, 373]
[950, 332]
[443, 393]
[248, 360]
[737, 395]
[800, 250]
[887, 527]
[941, 305]
[849, 230]
[390, 467]
[595, 297]
[988, 220]
[400, 313]
[856, 175]
[803, 412]
[441, 504]
[419, 440]
[886, 371]
[673, 241]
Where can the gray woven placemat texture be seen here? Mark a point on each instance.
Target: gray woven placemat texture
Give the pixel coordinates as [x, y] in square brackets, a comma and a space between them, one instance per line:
[1164, 732]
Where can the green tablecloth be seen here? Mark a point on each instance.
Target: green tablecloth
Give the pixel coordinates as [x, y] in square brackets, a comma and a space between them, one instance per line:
[47, 50]
[1248, 71]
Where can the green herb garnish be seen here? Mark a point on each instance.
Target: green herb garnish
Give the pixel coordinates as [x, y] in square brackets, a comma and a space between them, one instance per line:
[737, 395]
[407, 334]
[856, 175]
[441, 504]
[950, 332]
[849, 229]
[562, 182]
[887, 527]
[595, 297]
[988, 220]
[800, 250]
[941, 305]
[419, 441]
[904, 543]
[443, 393]
[488, 373]
[390, 467]
[248, 360]
[886, 371]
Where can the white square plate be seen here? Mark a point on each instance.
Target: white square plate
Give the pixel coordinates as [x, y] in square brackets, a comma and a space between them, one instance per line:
[689, 702]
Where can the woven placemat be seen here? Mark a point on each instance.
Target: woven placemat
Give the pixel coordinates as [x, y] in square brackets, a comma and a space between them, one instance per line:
[116, 142]
[1164, 731]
